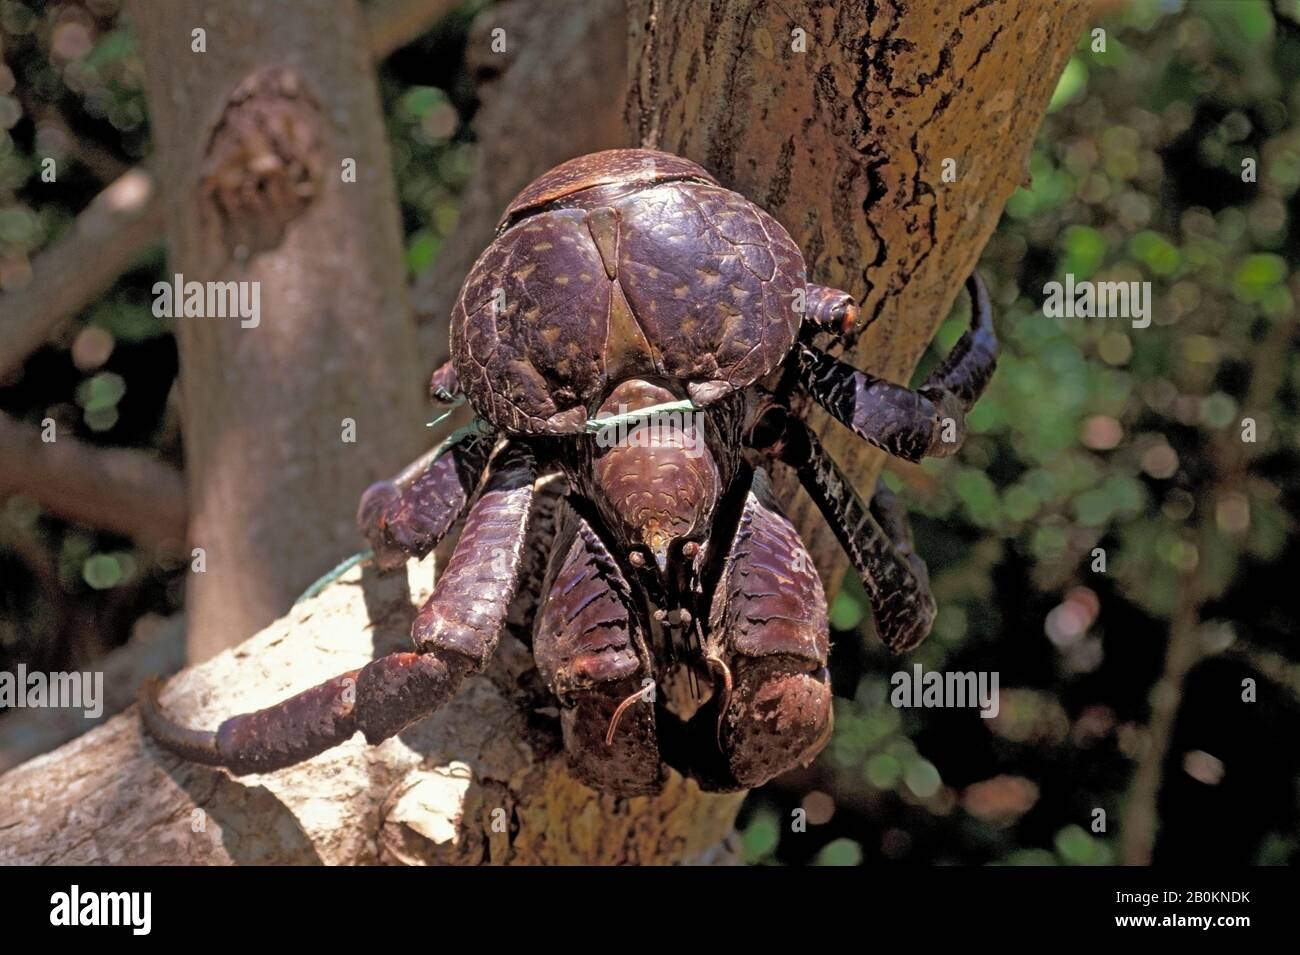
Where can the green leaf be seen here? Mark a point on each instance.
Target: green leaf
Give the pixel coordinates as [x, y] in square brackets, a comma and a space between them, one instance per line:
[1085, 250]
[1155, 251]
[1075, 846]
[839, 852]
[978, 493]
[101, 392]
[761, 837]
[1257, 274]
[1072, 84]
[883, 770]
[846, 612]
[102, 571]
[922, 778]
[421, 251]
[418, 100]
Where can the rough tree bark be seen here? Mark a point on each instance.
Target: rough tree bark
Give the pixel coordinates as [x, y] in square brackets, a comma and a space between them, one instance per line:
[252, 136]
[844, 143]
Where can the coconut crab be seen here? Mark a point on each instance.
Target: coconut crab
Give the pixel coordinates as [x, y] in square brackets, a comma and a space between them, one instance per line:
[615, 334]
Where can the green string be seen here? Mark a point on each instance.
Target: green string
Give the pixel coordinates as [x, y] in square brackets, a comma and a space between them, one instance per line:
[335, 574]
[597, 425]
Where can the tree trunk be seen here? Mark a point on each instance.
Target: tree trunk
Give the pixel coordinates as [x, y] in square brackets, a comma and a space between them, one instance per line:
[845, 145]
[252, 137]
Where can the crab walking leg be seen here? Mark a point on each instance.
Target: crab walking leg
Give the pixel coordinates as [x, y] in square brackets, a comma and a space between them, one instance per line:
[548, 498]
[444, 385]
[889, 512]
[456, 631]
[909, 424]
[278, 736]
[409, 515]
[830, 310]
[461, 622]
[591, 650]
[966, 371]
[769, 640]
[894, 576]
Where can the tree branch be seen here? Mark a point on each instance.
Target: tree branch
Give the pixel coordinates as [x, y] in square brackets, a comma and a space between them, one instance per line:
[1230, 459]
[105, 240]
[114, 489]
[123, 221]
[480, 782]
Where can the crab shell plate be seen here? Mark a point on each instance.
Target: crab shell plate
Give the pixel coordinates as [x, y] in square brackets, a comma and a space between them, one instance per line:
[628, 263]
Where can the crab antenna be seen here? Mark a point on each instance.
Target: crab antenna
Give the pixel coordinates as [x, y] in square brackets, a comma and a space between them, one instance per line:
[446, 414]
[618, 715]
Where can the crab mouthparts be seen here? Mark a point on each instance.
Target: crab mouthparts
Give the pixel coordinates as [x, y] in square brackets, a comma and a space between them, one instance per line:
[685, 688]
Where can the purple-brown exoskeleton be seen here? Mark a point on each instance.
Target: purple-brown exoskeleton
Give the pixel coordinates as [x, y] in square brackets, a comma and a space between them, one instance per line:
[612, 340]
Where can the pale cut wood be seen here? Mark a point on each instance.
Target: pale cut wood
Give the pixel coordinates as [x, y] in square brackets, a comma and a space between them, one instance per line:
[480, 782]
